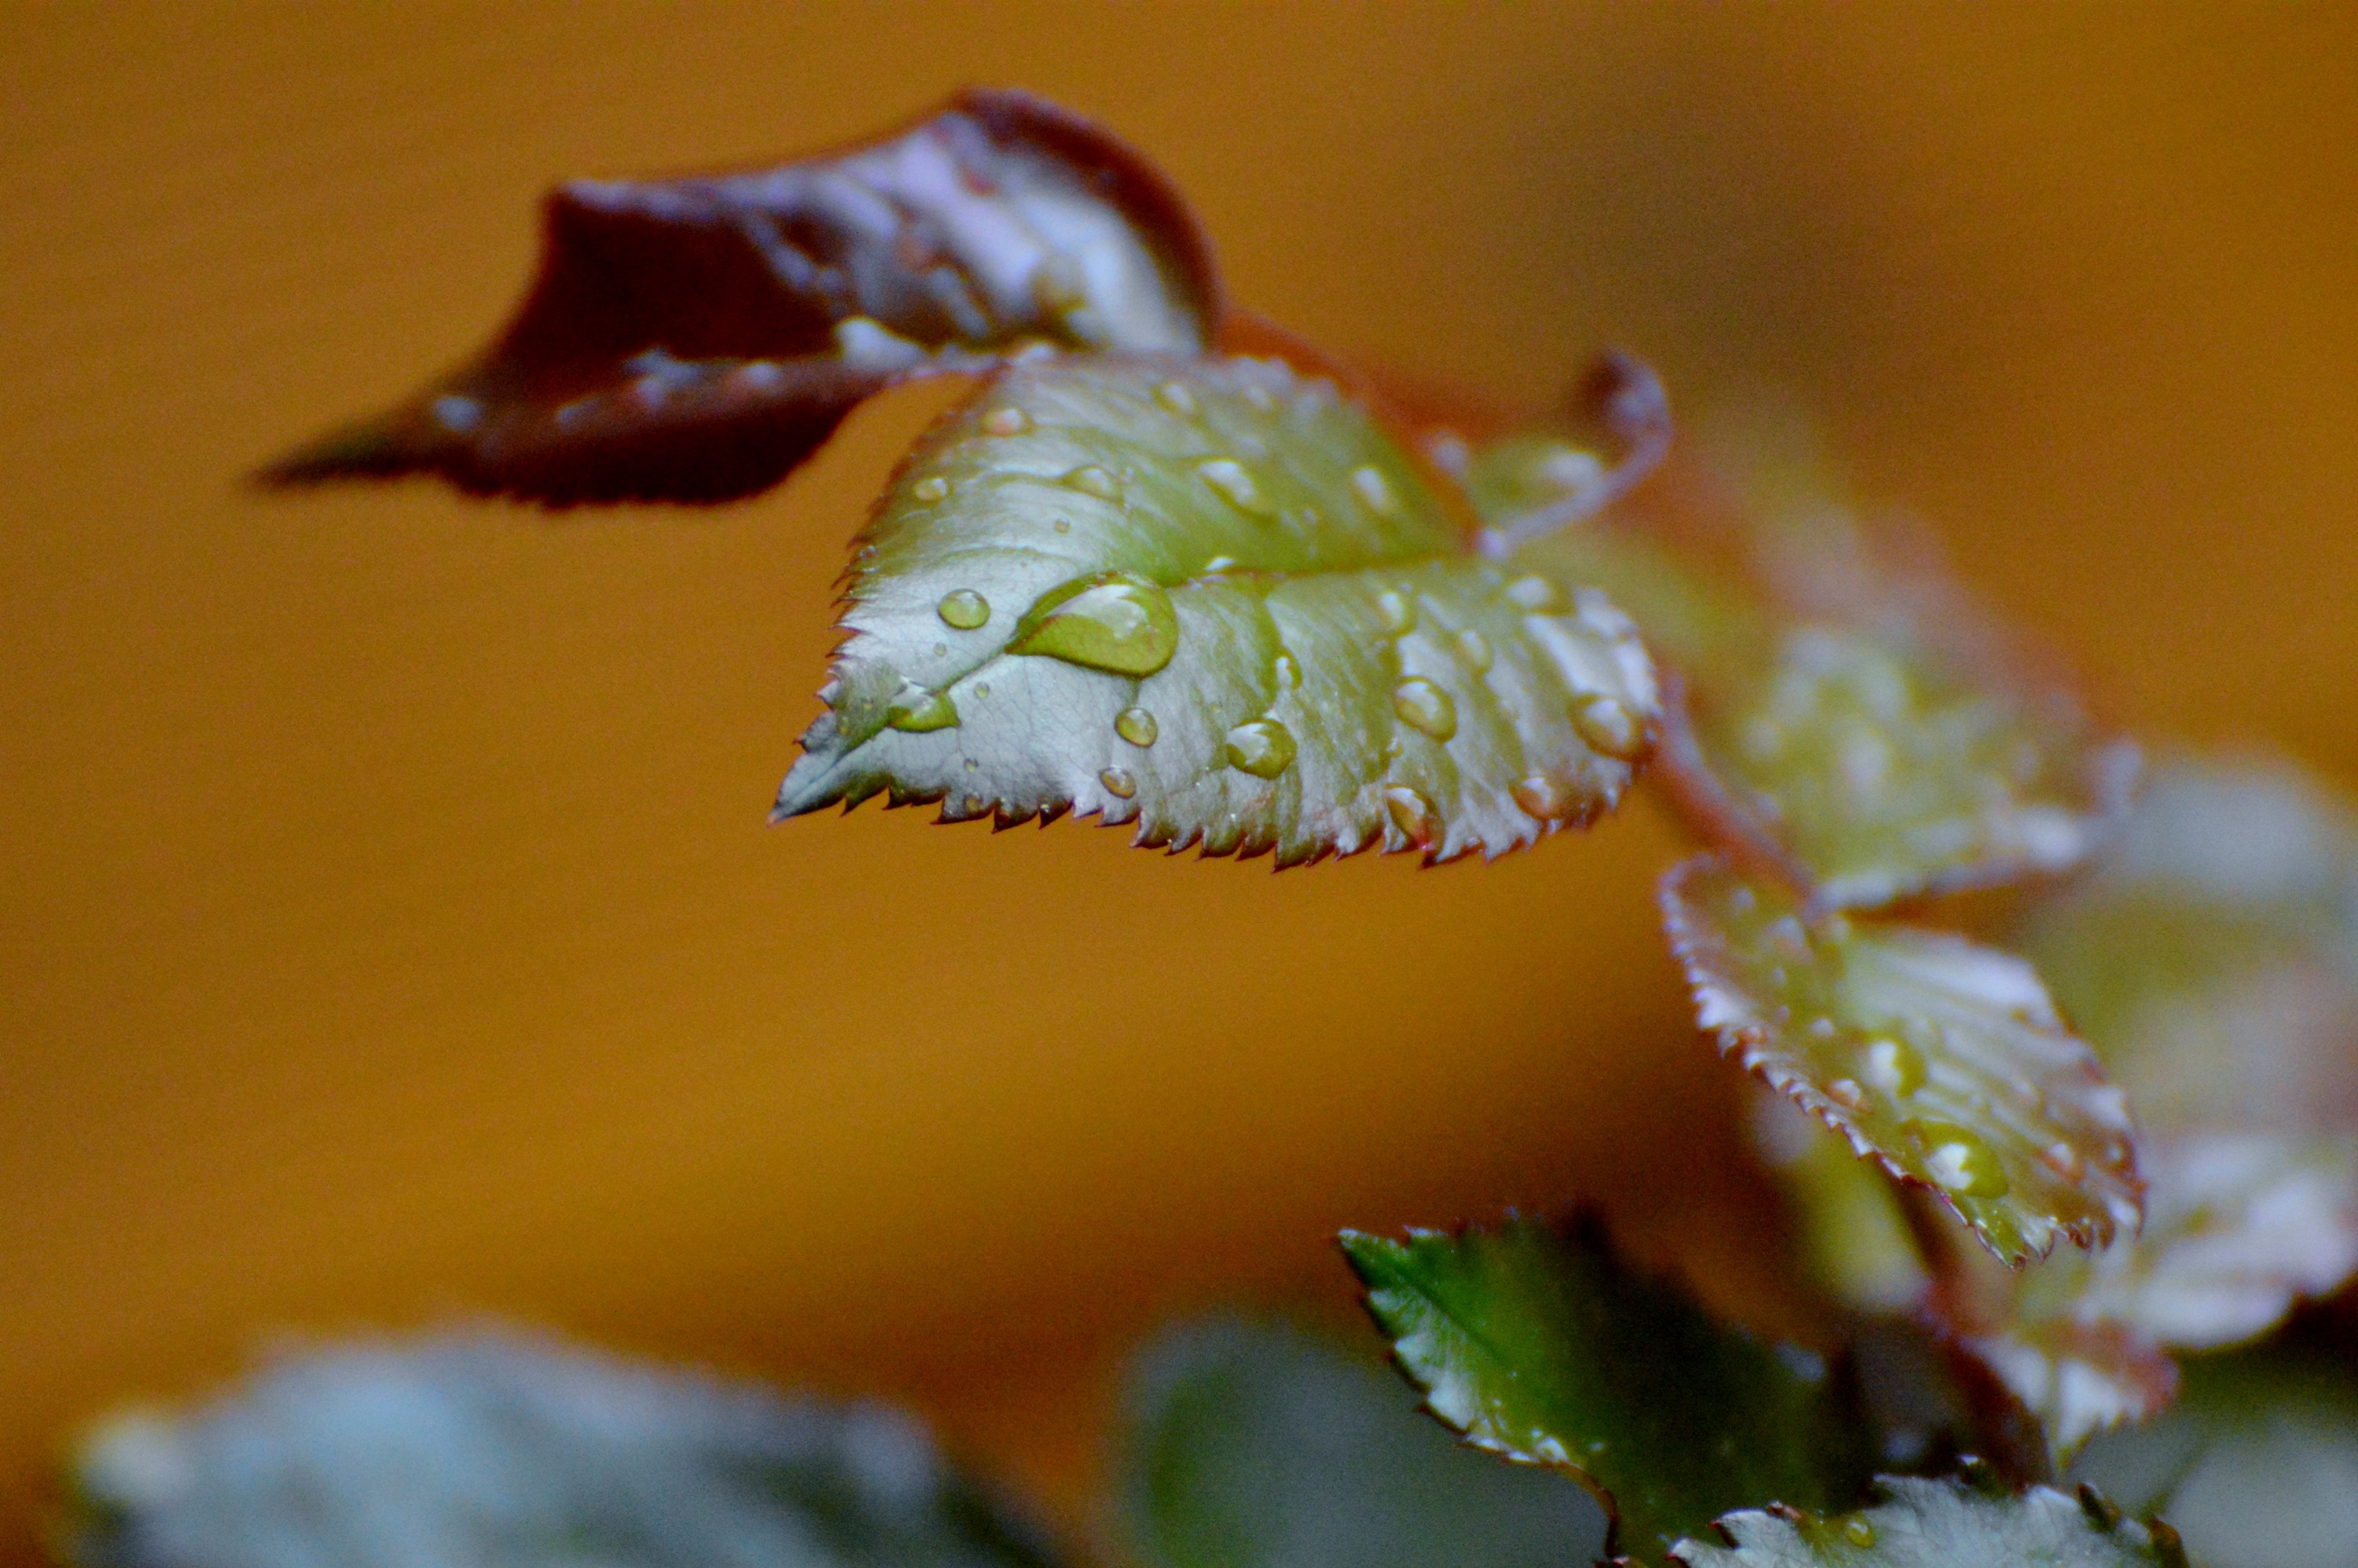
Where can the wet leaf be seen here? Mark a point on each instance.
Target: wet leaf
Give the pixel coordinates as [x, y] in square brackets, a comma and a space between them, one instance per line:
[1257, 1447]
[1943, 1060]
[696, 339]
[1943, 1524]
[500, 1452]
[1545, 1348]
[1839, 718]
[1212, 599]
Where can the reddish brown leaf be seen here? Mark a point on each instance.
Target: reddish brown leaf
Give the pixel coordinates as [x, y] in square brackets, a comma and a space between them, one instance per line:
[696, 339]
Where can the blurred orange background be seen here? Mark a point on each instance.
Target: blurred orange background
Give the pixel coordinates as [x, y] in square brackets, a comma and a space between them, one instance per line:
[390, 931]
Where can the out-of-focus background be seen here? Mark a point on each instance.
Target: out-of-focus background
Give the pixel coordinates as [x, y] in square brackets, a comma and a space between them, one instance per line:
[388, 928]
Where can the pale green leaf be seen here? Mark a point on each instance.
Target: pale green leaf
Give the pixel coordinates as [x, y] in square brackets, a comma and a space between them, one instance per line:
[1545, 1348]
[1942, 1060]
[1213, 598]
[1943, 1524]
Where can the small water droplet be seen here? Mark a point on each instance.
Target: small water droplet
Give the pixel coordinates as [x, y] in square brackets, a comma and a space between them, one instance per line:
[1261, 746]
[1006, 421]
[1858, 1532]
[1823, 1029]
[1608, 728]
[1137, 726]
[867, 556]
[1112, 622]
[920, 708]
[1091, 479]
[1958, 1160]
[1375, 490]
[1412, 814]
[1397, 609]
[1289, 674]
[1063, 524]
[1534, 595]
[1846, 1091]
[1425, 706]
[933, 487]
[1261, 398]
[2064, 1160]
[1176, 396]
[941, 650]
[1235, 485]
[973, 804]
[1547, 799]
[1220, 564]
[1119, 782]
[972, 766]
[1892, 1065]
[1474, 649]
[964, 609]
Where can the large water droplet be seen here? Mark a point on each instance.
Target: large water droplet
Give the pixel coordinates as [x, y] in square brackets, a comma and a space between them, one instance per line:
[1263, 747]
[964, 609]
[1233, 483]
[1474, 649]
[1412, 814]
[933, 487]
[1112, 622]
[1119, 783]
[920, 708]
[1958, 1160]
[1608, 728]
[1858, 1532]
[1399, 610]
[1288, 672]
[1137, 726]
[1548, 799]
[1092, 480]
[1892, 1065]
[1376, 491]
[1005, 422]
[1425, 706]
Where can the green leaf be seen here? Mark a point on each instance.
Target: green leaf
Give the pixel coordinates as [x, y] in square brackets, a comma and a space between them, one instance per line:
[499, 1451]
[1848, 720]
[1258, 1447]
[1214, 600]
[694, 339]
[1943, 1060]
[1545, 1348]
[1943, 1524]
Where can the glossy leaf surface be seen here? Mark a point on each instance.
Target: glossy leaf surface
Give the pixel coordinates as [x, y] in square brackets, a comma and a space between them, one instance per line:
[1943, 1060]
[1545, 1348]
[507, 1452]
[694, 339]
[1850, 733]
[1943, 1524]
[1212, 599]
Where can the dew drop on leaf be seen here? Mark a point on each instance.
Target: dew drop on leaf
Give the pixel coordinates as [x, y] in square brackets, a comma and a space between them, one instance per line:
[1535, 595]
[1425, 706]
[1119, 782]
[933, 487]
[1233, 483]
[1176, 396]
[1005, 422]
[1376, 491]
[1411, 812]
[1892, 1065]
[920, 708]
[1091, 479]
[1959, 1159]
[1608, 728]
[1397, 609]
[964, 609]
[1137, 726]
[1261, 746]
[1545, 798]
[1115, 621]
[1858, 1532]
[1474, 649]
[1288, 671]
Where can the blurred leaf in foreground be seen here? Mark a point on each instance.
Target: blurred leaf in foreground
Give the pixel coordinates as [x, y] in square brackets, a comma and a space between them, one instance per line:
[1943, 1524]
[696, 339]
[497, 1451]
[1213, 598]
[1255, 1447]
[1942, 1061]
[1545, 1348]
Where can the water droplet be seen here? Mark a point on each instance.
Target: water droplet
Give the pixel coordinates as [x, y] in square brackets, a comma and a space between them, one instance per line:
[1058, 285]
[982, 689]
[1376, 491]
[1823, 1029]
[941, 650]
[2064, 1160]
[964, 609]
[1397, 609]
[1091, 479]
[1425, 706]
[1261, 398]
[1112, 622]
[1548, 799]
[1220, 564]
[1176, 396]
[1063, 524]
[1858, 1532]
[1534, 595]
[1608, 728]
[933, 487]
[1137, 726]
[1263, 748]
[1892, 1065]
[1846, 1092]
[1474, 649]
[1005, 422]
[1959, 1160]
[867, 556]
[1119, 783]
[920, 708]
[1412, 814]
[972, 766]
[1289, 674]
[973, 804]
[1233, 483]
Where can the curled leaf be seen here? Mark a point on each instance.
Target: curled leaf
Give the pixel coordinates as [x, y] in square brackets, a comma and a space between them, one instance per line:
[1942, 1061]
[696, 339]
[1943, 1524]
[1545, 1348]
[1213, 598]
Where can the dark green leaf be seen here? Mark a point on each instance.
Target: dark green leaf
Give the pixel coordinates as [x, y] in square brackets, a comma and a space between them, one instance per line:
[1943, 1524]
[1215, 599]
[1544, 1348]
